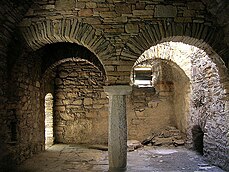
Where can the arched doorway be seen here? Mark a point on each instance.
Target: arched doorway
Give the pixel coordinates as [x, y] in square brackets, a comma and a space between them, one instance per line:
[48, 120]
[75, 77]
[200, 101]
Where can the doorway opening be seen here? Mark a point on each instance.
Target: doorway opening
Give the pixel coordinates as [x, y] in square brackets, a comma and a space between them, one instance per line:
[48, 120]
[198, 136]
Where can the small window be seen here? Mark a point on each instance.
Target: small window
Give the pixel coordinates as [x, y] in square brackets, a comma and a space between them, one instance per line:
[142, 76]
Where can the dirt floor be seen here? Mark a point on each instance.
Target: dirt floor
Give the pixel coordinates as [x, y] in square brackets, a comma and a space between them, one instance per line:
[76, 158]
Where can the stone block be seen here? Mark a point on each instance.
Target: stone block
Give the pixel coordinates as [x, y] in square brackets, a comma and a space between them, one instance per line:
[102, 101]
[131, 28]
[67, 116]
[48, 7]
[195, 5]
[91, 114]
[58, 81]
[131, 1]
[65, 5]
[189, 13]
[77, 102]
[152, 104]
[124, 68]
[71, 95]
[122, 19]
[140, 6]
[92, 20]
[96, 106]
[85, 12]
[183, 19]
[67, 102]
[110, 68]
[123, 8]
[80, 5]
[108, 14]
[115, 30]
[165, 11]
[88, 101]
[60, 95]
[91, 5]
[63, 74]
[143, 12]
[136, 121]
[60, 108]
[140, 113]
[38, 85]
[104, 113]
[150, 7]
[104, 95]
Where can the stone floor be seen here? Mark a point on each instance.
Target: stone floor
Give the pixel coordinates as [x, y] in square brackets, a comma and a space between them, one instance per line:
[75, 158]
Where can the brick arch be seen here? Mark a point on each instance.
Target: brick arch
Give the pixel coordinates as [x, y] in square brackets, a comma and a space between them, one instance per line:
[199, 35]
[67, 30]
[164, 52]
[154, 53]
[196, 34]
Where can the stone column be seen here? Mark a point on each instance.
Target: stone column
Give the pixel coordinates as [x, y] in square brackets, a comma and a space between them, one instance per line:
[117, 141]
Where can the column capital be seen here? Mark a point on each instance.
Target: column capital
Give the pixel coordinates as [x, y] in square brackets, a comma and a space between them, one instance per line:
[118, 89]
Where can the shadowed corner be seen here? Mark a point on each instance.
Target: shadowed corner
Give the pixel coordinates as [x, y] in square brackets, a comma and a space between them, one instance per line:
[7, 164]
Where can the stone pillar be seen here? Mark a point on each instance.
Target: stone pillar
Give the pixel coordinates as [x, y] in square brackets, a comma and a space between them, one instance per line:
[117, 141]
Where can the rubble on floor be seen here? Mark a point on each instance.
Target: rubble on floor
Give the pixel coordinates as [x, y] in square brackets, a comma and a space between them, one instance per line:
[169, 136]
[133, 144]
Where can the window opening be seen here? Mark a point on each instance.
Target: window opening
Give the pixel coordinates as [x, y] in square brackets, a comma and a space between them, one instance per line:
[143, 76]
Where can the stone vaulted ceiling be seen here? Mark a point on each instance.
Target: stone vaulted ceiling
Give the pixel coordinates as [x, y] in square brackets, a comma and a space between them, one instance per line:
[13, 12]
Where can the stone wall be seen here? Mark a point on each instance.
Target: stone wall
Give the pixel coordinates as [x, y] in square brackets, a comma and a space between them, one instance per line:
[26, 106]
[80, 106]
[167, 104]
[181, 99]
[9, 17]
[120, 30]
[208, 108]
[199, 97]
[148, 113]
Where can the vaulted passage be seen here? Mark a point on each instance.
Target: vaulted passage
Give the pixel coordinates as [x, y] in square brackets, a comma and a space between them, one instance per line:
[135, 79]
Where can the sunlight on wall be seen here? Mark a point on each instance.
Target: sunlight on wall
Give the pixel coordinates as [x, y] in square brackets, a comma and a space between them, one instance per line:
[48, 120]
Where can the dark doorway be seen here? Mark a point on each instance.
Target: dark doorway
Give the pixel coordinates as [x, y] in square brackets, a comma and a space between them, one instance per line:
[198, 136]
